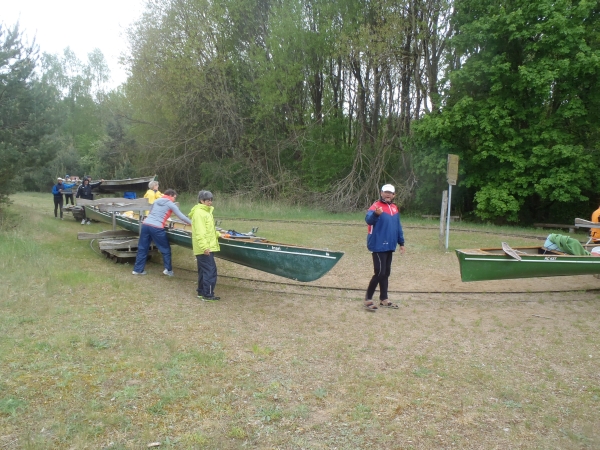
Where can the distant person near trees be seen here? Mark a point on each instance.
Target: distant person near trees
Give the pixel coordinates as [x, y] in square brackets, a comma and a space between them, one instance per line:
[152, 194]
[57, 192]
[68, 191]
[205, 241]
[384, 234]
[153, 230]
[84, 191]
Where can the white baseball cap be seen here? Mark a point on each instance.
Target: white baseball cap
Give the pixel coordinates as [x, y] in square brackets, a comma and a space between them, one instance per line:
[388, 188]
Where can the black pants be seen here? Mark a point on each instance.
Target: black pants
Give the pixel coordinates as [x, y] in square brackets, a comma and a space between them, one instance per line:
[382, 265]
[207, 275]
[58, 204]
[67, 197]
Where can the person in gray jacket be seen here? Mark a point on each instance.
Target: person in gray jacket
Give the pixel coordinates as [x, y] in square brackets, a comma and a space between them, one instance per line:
[153, 230]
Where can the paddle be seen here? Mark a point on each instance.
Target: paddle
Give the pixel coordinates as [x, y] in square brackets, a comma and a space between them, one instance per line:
[509, 251]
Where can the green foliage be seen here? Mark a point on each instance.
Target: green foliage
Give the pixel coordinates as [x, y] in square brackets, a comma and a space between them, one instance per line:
[66, 161]
[324, 160]
[51, 122]
[10, 406]
[303, 95]
[27, 111]
[522, 111]
[220, 176]
[82, 102]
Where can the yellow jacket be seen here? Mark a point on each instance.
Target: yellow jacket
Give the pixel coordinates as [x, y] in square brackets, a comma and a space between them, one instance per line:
[152, 195]
[204, 234]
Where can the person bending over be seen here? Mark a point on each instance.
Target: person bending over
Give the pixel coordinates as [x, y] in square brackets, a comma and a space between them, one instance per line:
[153, 230]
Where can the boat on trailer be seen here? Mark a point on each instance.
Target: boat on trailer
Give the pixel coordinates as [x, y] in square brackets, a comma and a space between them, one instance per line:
[139, 184]
[289, 261]
[504, 263]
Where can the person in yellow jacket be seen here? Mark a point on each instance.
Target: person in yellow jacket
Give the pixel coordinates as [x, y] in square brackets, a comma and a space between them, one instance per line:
[152, 193]
[205, 241]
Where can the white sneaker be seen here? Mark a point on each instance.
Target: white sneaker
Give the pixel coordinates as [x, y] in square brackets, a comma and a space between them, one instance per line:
[83, 222]
[89, 222]
[138, 273]
[168, 272]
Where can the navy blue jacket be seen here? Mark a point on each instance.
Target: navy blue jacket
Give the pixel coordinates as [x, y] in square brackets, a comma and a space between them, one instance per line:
[58, 186]
[385, 230]
[85, 190]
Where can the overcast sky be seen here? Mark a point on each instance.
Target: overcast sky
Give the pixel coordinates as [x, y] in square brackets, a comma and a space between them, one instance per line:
[80, 24]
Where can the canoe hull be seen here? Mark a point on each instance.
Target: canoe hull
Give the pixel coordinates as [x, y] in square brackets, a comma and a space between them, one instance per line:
[130, 184]
[297, 263]
[494, 264]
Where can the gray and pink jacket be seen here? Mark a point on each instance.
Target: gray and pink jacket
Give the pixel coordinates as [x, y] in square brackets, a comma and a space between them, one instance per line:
[162, 209]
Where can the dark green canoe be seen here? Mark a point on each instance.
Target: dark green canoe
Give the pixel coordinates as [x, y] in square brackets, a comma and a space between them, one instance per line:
[289, 261]
[526, 262]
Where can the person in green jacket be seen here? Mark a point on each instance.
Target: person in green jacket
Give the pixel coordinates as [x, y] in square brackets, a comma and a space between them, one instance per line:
[205, 241]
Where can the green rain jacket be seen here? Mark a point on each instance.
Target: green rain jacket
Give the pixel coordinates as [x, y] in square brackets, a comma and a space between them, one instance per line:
[204, 234]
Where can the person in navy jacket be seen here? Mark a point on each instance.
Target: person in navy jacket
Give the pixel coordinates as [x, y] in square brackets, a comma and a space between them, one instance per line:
[57, 192]
[384, 234]
[84, 191]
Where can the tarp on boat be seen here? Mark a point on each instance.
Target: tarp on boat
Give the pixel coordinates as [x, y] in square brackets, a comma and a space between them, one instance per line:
[567, 244]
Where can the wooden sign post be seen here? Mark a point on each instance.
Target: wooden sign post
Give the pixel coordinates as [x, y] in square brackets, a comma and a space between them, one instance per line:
[443, 217]
[452, 177]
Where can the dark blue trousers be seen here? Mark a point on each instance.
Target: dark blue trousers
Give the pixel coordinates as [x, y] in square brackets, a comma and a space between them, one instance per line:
[207, 275]
[58, 205]
[382, 267]
[159, 237]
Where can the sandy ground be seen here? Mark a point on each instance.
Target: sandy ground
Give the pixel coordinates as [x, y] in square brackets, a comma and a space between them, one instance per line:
[502, 364]
[411, 274]
[426, 267]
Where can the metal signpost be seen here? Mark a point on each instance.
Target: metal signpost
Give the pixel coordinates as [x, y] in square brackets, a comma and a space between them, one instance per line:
[451, 176]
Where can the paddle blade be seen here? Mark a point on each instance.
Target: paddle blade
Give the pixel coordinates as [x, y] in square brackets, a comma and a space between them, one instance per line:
[509, 251]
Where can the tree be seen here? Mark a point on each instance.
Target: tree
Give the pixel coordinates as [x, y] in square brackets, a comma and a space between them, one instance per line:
[27, 108]
[523, 106]
[80, 85]
[284, 98]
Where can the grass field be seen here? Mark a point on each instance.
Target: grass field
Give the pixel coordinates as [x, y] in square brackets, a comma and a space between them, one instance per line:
[92, 357]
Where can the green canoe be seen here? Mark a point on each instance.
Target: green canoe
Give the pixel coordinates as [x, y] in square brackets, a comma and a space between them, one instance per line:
[522, 262]
[289, 261]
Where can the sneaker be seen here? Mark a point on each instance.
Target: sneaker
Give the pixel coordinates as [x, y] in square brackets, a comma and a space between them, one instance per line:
[83, 222]
[168, 272]
[138, 273]
[89, 222]
[210, 299]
